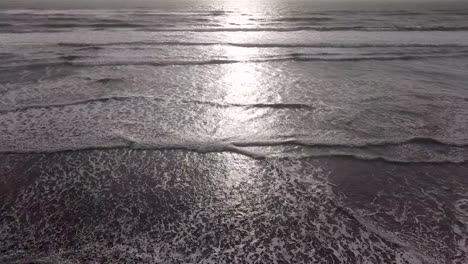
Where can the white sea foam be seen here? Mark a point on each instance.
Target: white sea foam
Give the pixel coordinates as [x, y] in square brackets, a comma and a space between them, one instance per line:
[348, 123]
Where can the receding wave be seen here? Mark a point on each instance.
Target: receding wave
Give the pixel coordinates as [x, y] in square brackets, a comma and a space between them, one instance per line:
[390, 151]
[413, 149]
[369, 143]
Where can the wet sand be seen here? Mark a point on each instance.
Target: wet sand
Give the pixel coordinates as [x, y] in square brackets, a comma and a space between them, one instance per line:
[173, 206]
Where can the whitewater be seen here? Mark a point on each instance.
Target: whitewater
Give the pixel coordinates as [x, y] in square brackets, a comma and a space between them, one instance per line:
[234, 133]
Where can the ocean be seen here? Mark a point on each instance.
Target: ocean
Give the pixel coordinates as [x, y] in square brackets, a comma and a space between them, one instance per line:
[234, 132]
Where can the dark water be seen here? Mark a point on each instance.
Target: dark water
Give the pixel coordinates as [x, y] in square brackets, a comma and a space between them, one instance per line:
[209, 132]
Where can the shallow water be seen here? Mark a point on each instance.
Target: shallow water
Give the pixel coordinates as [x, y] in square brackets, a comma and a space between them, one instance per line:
[234, 133]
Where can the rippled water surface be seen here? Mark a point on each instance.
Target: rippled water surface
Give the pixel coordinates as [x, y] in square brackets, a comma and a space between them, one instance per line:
[270, 132]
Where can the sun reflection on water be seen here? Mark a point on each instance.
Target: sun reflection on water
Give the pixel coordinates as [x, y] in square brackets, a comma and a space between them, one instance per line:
[241, 84]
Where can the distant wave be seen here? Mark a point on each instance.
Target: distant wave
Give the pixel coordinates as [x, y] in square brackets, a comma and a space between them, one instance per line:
[286, 57]
[313, 28]
[157, 28]
[6, 55]
[71, 57]
[132, 97]
[428, 28]
[92, 25]
[260, 45]
[299, 19]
